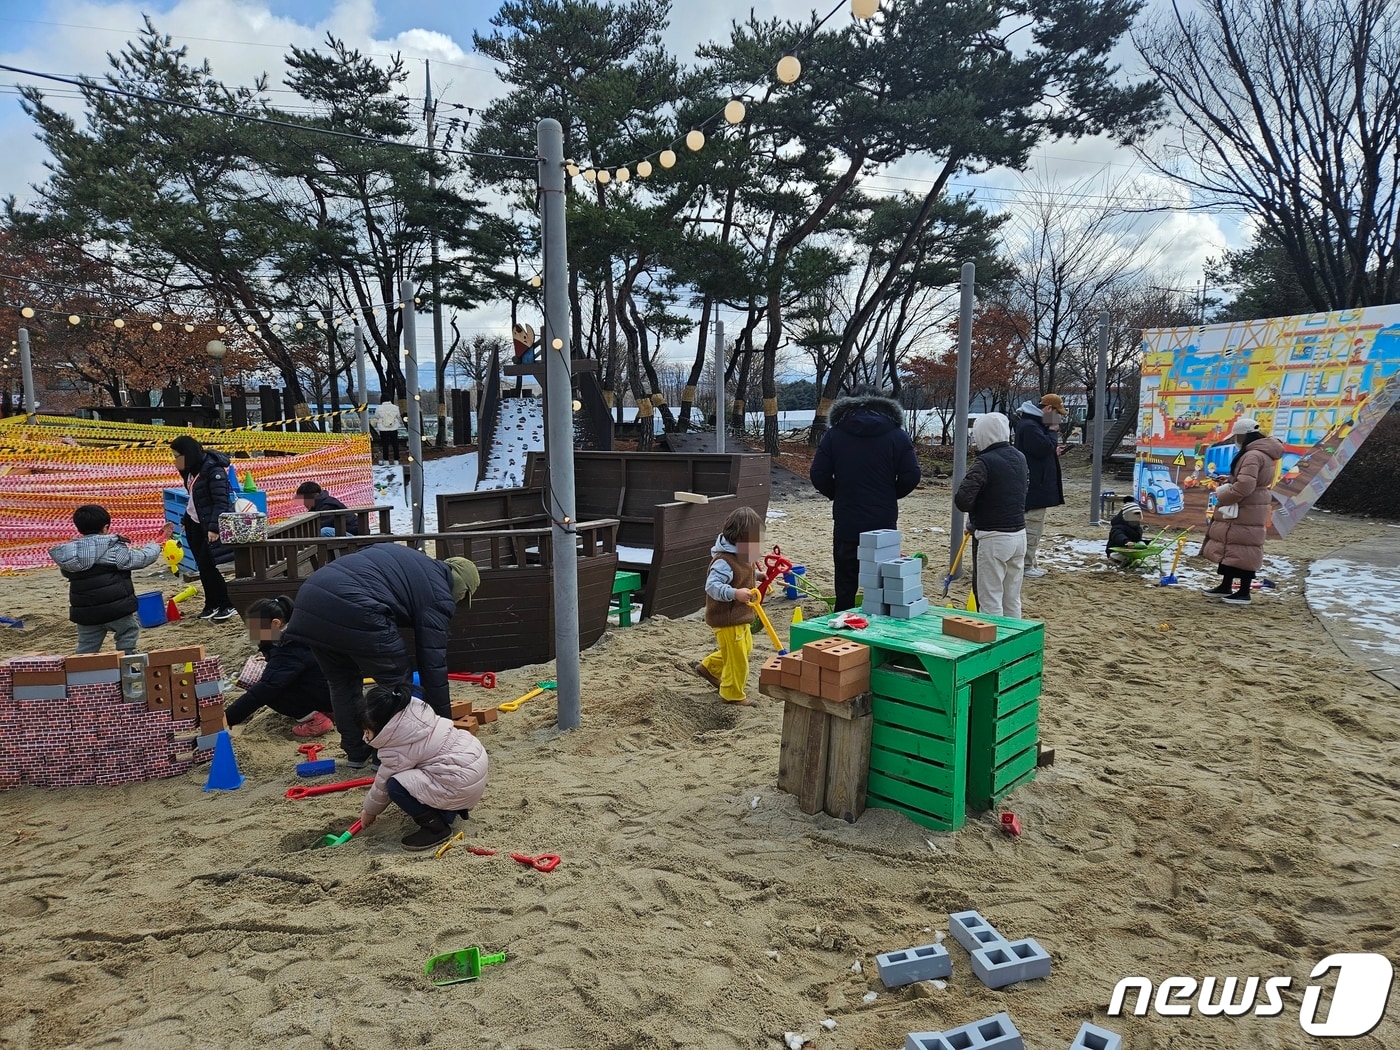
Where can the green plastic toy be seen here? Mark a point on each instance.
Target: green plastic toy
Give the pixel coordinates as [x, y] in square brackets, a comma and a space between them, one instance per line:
[456, 967]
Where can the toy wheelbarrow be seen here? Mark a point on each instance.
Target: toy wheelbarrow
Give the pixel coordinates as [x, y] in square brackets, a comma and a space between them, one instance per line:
[456, 967]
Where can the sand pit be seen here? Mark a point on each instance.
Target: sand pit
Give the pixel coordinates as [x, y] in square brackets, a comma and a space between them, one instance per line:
[1224, 802]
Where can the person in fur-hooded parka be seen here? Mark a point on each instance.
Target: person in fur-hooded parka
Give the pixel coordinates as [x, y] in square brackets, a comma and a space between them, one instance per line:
[865, 465]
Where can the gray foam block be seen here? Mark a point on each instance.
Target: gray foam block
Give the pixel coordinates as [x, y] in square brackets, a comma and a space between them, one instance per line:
[972, 931]
[1003, 964]
[879, 540]
[902, 569]
[924, 963]
[909, 610]
[204, 690]
[1092, 1037]
[40, 692]
[110, 676]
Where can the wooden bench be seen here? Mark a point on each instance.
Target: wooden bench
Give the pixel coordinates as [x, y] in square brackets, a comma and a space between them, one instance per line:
[508, 622]
[636, 489]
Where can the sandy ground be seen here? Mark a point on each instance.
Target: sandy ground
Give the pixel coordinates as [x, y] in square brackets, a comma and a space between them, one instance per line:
[1224, 802]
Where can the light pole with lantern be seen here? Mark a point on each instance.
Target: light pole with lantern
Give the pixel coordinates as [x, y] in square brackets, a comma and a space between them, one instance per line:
[216, 349]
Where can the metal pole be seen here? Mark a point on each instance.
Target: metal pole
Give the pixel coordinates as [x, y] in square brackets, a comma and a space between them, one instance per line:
[219, 380]
[1100, 416]
[415, 408]
[559, 431]
[962, 397]
[719, 385]
[430, 113]
[360, 386]
[26, 369]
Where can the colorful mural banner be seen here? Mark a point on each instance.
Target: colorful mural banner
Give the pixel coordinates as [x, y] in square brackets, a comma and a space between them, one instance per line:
[49, 467]
[1317, 382]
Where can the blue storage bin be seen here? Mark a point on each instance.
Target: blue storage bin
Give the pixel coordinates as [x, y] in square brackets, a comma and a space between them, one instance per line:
[150, 609]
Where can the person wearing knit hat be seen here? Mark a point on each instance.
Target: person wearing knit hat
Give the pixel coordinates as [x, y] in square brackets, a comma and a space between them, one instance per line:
[351, 612]
[1125, 530]
[1038, 438]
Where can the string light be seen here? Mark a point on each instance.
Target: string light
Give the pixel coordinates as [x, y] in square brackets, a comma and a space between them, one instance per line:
[865, 8]
[643, 169]
[221, 329]
[789, 68]
[558, 344]
[589, 175]
[118, 323]
[603, 177]
[300, 326]
[734, 111]
[74, 319]
[695, 140]
[26, 312]
[188, 327]
[571, 168]
[536, 281]
[156, 326]
[667, 158]
[623, 174]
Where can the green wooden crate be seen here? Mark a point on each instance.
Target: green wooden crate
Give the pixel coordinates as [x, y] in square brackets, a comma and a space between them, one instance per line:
[923, 805]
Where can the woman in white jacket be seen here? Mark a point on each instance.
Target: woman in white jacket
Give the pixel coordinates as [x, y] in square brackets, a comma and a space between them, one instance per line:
[432, 770]
[387, 421]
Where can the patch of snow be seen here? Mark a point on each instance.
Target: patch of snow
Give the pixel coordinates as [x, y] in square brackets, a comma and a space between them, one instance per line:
[1367, 595]
[519, 431]
[634, 555]
[448, 475]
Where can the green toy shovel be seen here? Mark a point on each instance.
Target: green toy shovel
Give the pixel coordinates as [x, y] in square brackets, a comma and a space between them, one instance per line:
[343, 837]
[456, 967]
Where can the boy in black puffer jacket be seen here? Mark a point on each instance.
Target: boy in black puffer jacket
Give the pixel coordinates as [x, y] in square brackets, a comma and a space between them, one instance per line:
[1125, 530]
[97, 566]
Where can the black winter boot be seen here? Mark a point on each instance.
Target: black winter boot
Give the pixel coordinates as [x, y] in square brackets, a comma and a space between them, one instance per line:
[432, 831]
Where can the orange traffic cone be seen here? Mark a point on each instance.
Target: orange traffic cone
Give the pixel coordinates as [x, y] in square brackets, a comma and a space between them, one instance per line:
[172, 611]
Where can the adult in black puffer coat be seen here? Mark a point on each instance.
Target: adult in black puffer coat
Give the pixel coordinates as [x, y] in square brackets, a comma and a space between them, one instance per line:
[350, 611]
[205, 475]
[865, 465]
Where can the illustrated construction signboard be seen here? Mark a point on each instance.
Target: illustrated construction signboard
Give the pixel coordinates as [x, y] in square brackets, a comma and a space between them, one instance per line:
[1319, 383]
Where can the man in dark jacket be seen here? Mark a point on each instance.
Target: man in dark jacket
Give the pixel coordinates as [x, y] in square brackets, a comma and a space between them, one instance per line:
[865, 465]
[350, 611]
[1038, 438]
[205, 474]
[315, 498]
[993, 496]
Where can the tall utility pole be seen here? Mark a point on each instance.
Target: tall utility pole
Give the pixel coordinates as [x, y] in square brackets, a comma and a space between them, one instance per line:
[430, 115]
[559, 430]
[962, 395]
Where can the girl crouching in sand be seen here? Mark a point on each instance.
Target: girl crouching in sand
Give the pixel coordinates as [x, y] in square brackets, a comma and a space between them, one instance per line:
[434, 771]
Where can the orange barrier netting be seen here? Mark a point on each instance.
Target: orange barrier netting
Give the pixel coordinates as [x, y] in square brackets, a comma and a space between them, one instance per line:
[49, 467]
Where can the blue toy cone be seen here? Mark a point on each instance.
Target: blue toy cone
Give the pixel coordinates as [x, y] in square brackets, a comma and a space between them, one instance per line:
[223, 771]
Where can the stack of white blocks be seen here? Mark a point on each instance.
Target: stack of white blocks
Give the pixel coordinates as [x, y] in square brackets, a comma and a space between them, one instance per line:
[892, 585]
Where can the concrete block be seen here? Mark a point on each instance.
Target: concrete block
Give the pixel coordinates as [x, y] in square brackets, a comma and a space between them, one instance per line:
[924, 963]
[902, 569]
[112, 676]
[998, 965]
[902, 592]
[909, 610]
[880, 540]
[874, 608]
[207, 742]
[1092, 1037]
[868, 580]
[872, 596]
[972, 931]
[991, 1033]
[40, 692]
[204, 690]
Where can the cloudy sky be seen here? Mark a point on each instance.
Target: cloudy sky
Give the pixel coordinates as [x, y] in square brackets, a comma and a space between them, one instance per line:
[244, 38]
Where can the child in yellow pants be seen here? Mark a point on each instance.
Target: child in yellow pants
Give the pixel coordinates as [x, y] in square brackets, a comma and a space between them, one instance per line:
[729, 590]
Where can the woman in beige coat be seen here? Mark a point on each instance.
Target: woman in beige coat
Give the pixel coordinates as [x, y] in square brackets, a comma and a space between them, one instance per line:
[434, 771]
[1236, 543]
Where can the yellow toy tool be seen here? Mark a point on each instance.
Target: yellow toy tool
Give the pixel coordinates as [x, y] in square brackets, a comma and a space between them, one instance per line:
[757, 604]
[186, 594]
[173, 554]
[513, 705]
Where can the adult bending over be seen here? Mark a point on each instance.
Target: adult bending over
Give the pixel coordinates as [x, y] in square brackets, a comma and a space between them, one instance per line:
[205, 474]
[1236, 544]
[993, 496]
[865, 465]
[350, 611]
[292, 683]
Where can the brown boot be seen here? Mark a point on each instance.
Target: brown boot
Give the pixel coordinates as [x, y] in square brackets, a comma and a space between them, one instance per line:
[704, 673]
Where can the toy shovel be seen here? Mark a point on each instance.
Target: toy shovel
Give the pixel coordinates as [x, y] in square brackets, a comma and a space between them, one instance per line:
[456, 967]
[343, 837]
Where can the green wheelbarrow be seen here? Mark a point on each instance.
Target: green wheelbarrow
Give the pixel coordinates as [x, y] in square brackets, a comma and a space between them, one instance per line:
[456, 967]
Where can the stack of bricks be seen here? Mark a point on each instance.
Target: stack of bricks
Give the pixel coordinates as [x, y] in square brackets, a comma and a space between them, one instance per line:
[463, 717]
[891, 585]
[834, 669]
[103, 718]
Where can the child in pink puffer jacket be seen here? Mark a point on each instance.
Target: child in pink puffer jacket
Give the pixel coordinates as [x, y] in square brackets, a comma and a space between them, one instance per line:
[434, 771]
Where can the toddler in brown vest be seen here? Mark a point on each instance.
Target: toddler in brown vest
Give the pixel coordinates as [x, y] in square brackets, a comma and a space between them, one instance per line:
[729, 588]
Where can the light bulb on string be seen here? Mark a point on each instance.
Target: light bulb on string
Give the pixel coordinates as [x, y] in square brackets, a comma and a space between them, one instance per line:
[604, 177]
[26, 312]
[221, 329]
[188, 328]
[734, 111]
[536, 281]
[623, 174]
[695, 140]
[156, 326]
[571, 168]
[865, 8]
[577, 404]
[667, 158]
[74, 319]
[252, 328]
[558, 344]
[789, 68]
[643, 169]
[321, 323]
[589, 175]
[300, 326]
[118, 323]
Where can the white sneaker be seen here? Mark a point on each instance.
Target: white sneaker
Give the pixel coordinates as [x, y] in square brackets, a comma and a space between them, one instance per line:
[1035, 572]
